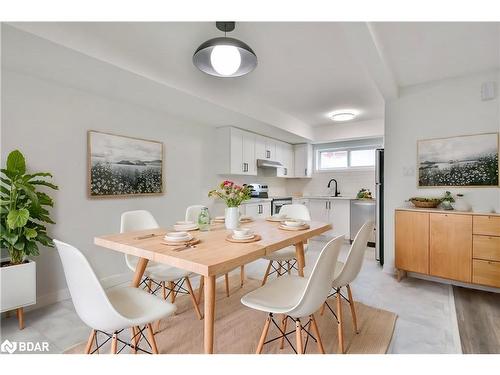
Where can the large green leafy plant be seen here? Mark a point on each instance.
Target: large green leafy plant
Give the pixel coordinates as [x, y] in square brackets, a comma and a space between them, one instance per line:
[23, 209]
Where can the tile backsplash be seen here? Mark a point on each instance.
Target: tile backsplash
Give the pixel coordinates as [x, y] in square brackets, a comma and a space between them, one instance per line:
[349, 183]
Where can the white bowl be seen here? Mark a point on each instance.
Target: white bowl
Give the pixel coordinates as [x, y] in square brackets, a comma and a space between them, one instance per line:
[294, 223]
[179, 239]
[177, 234]
[242, 232]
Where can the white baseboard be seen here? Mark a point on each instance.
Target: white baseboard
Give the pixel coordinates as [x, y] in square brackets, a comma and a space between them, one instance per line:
[63, 294]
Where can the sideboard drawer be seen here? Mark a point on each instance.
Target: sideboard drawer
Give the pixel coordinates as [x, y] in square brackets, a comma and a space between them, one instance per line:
[486, 225]
[486, 272]
[486, 247]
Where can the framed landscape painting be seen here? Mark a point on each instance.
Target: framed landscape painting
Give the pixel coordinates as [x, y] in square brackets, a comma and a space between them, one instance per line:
[120, 166]
[468, 161]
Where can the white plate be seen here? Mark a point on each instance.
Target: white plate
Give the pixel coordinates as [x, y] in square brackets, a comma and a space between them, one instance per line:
[293, 224]
[179, 239]
[247, 237]
[185, 223]
[181, 228]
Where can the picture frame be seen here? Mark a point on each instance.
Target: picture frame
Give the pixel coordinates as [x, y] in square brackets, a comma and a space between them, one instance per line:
[462, 161]
[121, 166]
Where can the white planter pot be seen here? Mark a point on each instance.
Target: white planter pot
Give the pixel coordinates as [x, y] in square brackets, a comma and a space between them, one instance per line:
[232, 219]
[18, 285]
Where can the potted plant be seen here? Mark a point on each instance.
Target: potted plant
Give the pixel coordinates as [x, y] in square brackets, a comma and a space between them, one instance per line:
[233, 195]
[23, 215]
[447, 200]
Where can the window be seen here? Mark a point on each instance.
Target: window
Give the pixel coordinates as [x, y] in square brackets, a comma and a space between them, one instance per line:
[362, 158]
[343, 159]
[332, 159]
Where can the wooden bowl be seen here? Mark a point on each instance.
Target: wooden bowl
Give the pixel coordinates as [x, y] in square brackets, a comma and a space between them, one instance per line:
[425, 204]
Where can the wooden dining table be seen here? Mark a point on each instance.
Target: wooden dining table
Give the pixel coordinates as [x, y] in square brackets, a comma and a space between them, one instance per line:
[212, 256]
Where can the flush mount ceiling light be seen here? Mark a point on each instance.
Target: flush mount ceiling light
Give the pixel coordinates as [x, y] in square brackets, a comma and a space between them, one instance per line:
[223, 56]
[344, 115]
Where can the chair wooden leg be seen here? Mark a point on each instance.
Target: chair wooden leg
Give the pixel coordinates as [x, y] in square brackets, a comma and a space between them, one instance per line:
[90, 342]
[322, 310]
[298, 336]
[263, 335]
[340, 323]
[288, 266]
[267, 272]
[164, 290]
[114, 343]
[315, 329]
[226, 280]
[193, 298]
[20, 317]
[171, 286]
[284, 322]
[150, 283]
[353, 309]
[200, 289]
[280, 266]
[152, 340]
[133, 339]
[242, 276]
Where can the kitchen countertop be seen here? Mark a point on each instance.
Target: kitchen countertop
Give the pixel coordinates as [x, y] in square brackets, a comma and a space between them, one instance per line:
[326, 197]
[441, 211]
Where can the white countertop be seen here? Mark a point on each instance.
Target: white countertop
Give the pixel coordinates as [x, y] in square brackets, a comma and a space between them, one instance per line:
[325, 197]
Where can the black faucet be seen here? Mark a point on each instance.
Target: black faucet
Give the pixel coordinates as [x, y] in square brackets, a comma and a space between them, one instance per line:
[336, 185]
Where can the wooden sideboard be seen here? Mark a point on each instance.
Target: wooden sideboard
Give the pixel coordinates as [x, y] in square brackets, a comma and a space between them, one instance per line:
[461, 246]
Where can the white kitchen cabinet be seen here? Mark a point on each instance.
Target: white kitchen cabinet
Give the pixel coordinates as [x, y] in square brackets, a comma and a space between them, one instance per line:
[303, 160]
[333, 211]
[284, 154]
[265, 148]
[340, 217]
[235, 152]
[258, 210]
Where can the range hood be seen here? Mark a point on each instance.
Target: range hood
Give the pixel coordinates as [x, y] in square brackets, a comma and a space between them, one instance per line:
[263, 163]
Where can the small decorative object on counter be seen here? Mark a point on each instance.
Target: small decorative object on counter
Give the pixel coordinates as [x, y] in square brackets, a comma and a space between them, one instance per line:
[364, 194]
[447, 200]
[461, 204]
[423, 202]
[204, 219]
[233, 195]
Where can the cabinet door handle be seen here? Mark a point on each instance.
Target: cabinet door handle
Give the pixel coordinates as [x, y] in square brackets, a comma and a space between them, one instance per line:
[286, 172]
[326, 205]
[305, 172]
[329, 205]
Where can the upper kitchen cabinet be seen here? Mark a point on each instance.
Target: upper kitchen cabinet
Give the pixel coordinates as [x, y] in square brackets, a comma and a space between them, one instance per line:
[284, 154]
[235, 152]
[265, 148]
[303, 160]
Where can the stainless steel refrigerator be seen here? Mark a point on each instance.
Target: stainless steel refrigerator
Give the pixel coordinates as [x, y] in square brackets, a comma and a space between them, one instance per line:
[379, 194]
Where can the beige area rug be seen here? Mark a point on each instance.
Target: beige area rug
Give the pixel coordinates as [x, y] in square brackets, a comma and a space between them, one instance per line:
[238, 328]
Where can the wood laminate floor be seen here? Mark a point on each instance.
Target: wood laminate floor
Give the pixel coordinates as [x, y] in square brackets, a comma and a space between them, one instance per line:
[478, 315]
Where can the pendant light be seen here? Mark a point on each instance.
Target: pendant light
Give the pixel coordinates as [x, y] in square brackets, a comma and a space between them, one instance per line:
[223, 56]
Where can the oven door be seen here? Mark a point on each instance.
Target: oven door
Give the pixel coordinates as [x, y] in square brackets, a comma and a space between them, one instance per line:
[277, 204]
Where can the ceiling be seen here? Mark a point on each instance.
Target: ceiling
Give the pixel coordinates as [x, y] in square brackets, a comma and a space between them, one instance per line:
[306, 70]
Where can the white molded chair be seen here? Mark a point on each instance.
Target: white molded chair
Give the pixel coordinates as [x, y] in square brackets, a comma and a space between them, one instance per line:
[278, 259]
[110, 312]
[157, 276]
[296, 297]
[192, 214]
[345, 273]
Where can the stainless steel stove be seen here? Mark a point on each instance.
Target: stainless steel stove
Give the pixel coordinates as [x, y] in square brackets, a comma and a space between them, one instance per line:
[279, 202]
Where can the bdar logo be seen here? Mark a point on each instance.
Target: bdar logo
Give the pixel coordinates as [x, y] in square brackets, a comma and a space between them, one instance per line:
[9, 347]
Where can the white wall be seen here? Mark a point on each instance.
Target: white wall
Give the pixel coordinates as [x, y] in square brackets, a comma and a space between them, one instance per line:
[48, 122]
[439, 109]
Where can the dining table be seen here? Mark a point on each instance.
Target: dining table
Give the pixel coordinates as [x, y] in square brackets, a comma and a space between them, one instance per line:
[213, 255]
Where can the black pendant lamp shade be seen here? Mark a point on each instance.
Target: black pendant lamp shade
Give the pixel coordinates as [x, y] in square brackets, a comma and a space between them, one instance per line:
[225, 57]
